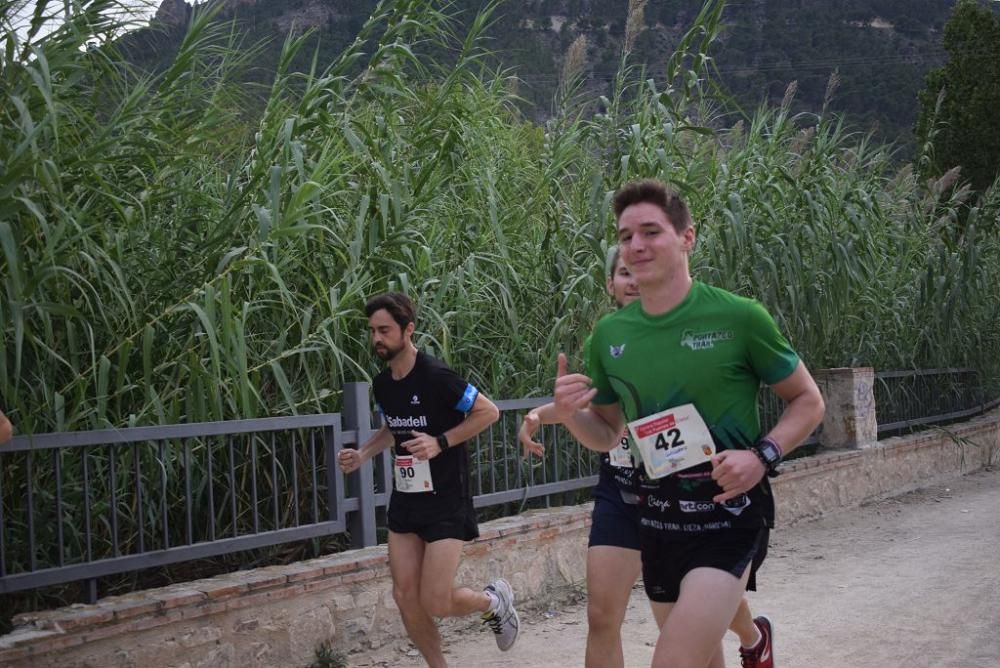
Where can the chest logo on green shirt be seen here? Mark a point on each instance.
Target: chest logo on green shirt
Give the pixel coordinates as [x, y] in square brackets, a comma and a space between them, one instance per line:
[705, 340]
[617, 351]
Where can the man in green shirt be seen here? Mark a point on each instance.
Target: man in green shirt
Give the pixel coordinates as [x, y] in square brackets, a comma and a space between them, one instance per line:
[681, 368]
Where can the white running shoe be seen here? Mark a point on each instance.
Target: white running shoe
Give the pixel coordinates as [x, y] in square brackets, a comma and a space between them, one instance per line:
[504, 621]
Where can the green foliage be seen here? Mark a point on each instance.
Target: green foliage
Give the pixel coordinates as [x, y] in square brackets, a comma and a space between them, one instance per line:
[166, 258]
[958, 106]
[174, 250]
[327, 657]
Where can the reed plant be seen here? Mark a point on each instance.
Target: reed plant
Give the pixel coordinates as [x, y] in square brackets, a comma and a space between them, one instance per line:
[174, 252]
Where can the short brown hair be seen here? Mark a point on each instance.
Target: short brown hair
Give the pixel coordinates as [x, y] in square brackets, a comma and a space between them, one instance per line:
[396, 305]
[656, 193]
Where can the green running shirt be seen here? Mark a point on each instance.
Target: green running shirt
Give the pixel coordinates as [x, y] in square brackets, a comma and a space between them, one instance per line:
[712, 350]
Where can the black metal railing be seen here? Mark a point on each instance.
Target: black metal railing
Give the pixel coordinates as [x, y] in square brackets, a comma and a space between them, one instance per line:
[77, 506]
[82, 505]
[911, 398]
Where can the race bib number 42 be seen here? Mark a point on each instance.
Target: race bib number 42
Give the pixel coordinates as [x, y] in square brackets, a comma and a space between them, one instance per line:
[413, 475]
[672, 440]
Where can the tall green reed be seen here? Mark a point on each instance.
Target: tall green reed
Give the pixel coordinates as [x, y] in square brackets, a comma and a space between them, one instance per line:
[171, 255]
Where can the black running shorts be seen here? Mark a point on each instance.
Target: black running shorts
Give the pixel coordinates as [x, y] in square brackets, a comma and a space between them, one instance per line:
[433, 517]
[614, 522]
[668, 557]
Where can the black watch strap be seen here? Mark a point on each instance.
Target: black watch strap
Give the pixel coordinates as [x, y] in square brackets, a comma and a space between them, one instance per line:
[769, 454]
[443, 442]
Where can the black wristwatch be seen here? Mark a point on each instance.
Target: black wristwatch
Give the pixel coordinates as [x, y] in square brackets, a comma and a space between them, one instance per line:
[769, 454]
[443, 442]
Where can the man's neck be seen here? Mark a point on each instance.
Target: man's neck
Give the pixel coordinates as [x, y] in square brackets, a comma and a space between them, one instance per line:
[662, 297]
[402, 364]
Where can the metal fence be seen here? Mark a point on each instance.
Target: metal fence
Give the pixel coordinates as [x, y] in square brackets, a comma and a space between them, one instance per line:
[83, 505]
[76, 506]
[908, 399]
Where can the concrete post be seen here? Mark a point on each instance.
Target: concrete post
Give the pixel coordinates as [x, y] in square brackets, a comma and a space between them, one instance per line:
[357, 415]
[849, 422]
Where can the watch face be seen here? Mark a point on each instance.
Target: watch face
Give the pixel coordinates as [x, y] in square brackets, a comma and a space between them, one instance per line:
[769, 450]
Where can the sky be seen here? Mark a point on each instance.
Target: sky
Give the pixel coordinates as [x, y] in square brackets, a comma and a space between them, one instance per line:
[138, 11]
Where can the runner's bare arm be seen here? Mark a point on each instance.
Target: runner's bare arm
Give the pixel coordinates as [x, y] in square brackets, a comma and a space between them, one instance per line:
[597, 427]
[6, 430]
[350, 459]
[804, 408]
[484, 413]
[536, 417]
[737, 471]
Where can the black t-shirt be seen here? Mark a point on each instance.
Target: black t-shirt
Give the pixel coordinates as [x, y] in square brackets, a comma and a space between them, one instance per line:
[430, 399]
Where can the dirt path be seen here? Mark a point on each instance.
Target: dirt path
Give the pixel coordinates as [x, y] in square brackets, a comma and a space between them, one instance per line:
[909, 582]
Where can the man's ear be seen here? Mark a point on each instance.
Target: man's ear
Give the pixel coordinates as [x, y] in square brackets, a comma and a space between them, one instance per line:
[690, 238]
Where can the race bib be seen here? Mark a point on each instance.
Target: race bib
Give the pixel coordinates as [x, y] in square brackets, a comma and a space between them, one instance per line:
[412, 474]
[672, 440]
[621, 456]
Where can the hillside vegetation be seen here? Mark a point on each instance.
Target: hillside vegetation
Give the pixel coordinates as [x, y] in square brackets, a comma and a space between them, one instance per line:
[170, 255]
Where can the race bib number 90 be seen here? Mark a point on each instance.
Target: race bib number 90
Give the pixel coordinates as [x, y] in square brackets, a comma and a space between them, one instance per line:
[621, 456]
[413, 475]
[672, 440]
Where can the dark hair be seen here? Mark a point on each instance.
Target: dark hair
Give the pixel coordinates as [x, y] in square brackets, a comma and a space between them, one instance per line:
[396, 304]
[656, 193]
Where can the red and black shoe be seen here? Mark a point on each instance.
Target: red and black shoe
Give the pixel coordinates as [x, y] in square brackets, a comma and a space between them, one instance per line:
[760, 655]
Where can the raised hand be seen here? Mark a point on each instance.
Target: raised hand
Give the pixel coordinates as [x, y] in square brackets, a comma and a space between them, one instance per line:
[573, 391]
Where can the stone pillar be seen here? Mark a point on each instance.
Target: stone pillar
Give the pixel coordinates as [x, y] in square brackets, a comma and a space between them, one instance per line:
[849, 422]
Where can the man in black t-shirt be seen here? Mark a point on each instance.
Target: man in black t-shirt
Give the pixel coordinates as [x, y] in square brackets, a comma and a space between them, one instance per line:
[429, 413]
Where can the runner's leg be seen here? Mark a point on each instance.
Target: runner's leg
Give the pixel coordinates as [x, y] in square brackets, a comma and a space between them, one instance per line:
[611, 572]
[438, 594]
[691, 637]
[406, 556]
[743, 626]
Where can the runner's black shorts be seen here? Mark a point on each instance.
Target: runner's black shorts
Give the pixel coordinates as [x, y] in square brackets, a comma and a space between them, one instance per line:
[433, 516]
[614, 521]
[668, 557]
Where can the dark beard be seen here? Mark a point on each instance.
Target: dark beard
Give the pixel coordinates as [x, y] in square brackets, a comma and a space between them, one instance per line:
[388, 354]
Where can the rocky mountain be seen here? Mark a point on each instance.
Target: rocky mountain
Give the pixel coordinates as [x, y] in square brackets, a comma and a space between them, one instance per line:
[879, 50]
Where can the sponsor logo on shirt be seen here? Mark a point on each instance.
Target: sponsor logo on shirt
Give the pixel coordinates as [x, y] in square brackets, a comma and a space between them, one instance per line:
[406, 423]
[659, 504]
[705, 340]
[696, 506]
[415, 401]
[617, 351]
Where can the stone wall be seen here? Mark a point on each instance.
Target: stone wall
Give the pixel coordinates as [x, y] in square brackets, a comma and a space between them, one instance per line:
[278, 616]
[843, 479]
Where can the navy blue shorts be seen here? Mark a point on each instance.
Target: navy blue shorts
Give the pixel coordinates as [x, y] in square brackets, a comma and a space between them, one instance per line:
[667, 558]
[613, 522]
